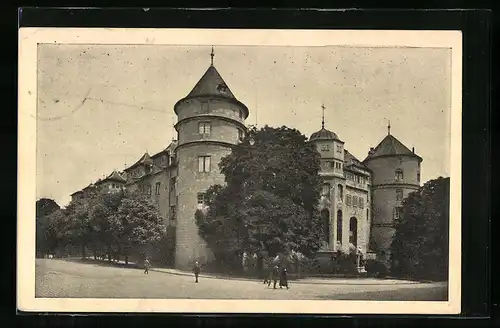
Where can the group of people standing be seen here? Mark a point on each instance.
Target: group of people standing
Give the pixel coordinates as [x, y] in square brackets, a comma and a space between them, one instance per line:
[277, 274]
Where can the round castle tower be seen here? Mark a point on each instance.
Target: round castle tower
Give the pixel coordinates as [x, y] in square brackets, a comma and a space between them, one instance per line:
[210, 122]
[395, 174]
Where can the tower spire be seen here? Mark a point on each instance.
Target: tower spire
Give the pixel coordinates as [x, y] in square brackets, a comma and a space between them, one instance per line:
[389, 128]
[212, 57]
[323, 116]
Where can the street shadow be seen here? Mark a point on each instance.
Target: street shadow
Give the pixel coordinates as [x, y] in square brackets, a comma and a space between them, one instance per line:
[104, 263]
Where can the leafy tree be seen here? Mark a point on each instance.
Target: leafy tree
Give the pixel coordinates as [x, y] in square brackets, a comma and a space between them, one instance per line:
[269, 202]
[44, 207]
[56, 231]
[420, 245]
[137, 224]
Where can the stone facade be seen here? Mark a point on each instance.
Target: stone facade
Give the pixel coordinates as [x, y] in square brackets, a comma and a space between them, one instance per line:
[396, 173]
[359, 200]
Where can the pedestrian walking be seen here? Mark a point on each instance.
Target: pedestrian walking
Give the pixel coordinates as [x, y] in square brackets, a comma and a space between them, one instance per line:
[146, 266]
[275, 275]
[284, 278]
[196, 270]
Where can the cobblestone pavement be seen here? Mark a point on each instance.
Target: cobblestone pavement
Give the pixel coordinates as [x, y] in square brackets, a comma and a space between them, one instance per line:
[58, 278]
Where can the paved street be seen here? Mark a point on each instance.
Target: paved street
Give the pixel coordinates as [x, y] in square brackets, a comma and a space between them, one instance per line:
[71, 279]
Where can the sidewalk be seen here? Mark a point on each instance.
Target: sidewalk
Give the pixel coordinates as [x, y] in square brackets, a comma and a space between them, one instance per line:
[311, 281]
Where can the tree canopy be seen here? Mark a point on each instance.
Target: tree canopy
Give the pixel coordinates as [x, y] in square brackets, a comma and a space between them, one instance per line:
[420, 245]
[269, 201]
[111, 224]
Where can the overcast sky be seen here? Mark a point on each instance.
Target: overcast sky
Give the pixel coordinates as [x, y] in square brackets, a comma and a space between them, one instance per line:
[130, 92]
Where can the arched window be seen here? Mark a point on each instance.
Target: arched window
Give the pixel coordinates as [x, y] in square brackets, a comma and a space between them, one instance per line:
[326, 190]
[340, 192]
[353, 231]
[339, 226]
[325, 218]
[399, 194]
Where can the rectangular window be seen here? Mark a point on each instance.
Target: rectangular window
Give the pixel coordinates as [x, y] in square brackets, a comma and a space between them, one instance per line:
[204, 106]
[361, 202]
[201, 198]
[348, 200]
[355, 201]
[204, 128]
[150, 190]
[158, 188]
[204, 164]
[172, 183]
[325, 147]
[397, 213]
[173, 212]
[339, 149]
[330, 164]
[240, 134]
[399, 194]
[399, 175]
[418, 176]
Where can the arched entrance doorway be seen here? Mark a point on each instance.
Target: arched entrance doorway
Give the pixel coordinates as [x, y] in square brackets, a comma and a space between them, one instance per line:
[325, 220]
[353, 231]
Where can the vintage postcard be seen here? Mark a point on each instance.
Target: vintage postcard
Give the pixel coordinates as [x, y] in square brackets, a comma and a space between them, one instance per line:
[239, 171]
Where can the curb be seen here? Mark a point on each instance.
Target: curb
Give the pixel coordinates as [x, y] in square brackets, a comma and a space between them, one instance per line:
[292, 281]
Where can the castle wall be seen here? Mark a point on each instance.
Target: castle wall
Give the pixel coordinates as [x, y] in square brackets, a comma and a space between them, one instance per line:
[384, 196]
[384, 169]
[209, 106]
[189, 245]
[220, 130]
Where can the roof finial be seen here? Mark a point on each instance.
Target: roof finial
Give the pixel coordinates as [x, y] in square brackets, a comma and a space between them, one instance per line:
[389, 128]
[212, 57]
[323, 116]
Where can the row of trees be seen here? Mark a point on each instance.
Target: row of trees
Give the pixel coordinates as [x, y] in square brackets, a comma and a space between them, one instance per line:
[105, 224]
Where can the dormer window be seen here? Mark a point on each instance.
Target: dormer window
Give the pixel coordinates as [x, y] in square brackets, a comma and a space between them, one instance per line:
[399, 175]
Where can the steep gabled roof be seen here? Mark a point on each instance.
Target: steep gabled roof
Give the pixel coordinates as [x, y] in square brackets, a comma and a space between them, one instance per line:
[115, 176]
[351, 160]
[211, 83]
[390, 146]
[145, 159]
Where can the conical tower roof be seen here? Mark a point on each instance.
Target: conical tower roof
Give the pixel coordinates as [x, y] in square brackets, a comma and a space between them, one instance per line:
[210, 84]
[390, 146]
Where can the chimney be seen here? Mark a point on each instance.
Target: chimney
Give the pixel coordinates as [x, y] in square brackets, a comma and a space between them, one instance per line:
[413, 150]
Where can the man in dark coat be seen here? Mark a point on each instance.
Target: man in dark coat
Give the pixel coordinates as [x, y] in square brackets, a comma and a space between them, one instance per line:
[275, 275]
[284, 278]
[196, 270]
[146, 266]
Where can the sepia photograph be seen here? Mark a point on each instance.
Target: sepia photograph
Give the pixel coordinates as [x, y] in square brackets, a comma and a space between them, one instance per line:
[254, 167]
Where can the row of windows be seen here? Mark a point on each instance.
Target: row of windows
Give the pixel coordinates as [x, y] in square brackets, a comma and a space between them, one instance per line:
[327, 148]
[353, 226]
[356, 178]
[328, 165]
[355, 201]
[205, 128]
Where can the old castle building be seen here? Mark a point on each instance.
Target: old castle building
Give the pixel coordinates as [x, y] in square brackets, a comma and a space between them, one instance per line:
[359, 200]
